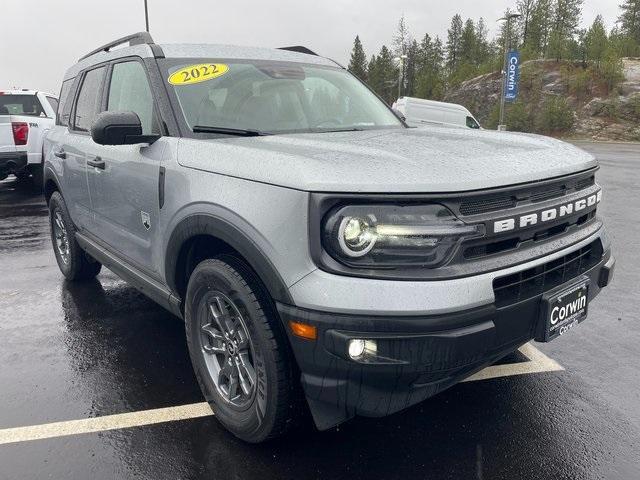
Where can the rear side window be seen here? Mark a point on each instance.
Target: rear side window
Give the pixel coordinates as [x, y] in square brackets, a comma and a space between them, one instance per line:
[89, 99]
[53, 102]
[66, 100]
[129, 91]
[28, 105]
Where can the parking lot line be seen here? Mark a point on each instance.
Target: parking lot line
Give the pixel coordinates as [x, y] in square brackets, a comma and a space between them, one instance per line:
[538, 362]
[107, 422]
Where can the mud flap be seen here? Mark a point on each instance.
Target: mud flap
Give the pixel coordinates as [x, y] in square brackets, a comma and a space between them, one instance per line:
[325, 415]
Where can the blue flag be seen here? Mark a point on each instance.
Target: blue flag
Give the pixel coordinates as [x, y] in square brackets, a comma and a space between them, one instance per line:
[513, 76]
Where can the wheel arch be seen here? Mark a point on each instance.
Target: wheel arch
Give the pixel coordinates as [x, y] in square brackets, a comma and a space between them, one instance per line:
[51, 184]
[224, 237]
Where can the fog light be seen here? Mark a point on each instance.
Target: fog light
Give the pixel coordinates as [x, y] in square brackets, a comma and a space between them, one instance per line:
[356, 348]
[359, 347]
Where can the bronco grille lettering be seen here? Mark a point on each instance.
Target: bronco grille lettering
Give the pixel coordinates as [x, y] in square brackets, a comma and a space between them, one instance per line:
[547, 215]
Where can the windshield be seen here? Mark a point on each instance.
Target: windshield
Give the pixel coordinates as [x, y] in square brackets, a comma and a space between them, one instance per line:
[267, 97]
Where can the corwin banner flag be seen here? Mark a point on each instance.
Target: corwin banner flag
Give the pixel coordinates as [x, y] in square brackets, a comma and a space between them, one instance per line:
[513, 76]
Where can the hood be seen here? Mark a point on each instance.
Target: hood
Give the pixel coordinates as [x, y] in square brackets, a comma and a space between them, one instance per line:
[425, 160]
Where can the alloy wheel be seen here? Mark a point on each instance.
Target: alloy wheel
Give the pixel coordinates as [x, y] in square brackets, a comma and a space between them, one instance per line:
[227, 350]
[61, 237]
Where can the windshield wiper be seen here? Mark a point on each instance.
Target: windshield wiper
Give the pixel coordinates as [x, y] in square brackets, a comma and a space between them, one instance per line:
[228, 131]
[348, 129]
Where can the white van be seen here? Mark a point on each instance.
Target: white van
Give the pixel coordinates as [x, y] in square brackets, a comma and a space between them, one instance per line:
[418, 111]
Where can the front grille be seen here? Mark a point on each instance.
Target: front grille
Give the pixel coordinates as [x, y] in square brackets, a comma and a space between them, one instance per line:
[585, 183]
[554, 191]
[526, 194]
[488, 204]
[506, 244]
[537, 280]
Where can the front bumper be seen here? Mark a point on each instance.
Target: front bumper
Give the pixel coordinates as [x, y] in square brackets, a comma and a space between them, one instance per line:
[12, 162]
[428, 353]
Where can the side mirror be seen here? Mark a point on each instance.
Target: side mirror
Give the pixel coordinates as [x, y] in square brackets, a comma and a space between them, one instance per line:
[399, 114]
[119, 128]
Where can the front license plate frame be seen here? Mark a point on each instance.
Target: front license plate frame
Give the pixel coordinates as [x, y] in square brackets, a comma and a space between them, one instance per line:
[563, 308]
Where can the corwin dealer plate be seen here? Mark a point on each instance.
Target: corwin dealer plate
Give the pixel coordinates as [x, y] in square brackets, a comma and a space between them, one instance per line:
[563, 309]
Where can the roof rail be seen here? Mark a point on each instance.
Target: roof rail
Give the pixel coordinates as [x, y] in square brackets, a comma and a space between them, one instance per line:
[140, 38]
[299, 49]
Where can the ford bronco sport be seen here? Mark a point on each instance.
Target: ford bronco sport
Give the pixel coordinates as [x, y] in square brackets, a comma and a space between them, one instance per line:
[322, 254]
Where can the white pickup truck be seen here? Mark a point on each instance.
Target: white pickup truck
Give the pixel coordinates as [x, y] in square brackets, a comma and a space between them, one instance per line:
[25, 118]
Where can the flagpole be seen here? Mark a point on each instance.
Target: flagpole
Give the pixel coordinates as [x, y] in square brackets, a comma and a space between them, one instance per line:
[146, 15]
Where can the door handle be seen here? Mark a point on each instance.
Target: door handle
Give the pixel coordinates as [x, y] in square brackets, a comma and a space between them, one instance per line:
[97, 162]
[60, 153]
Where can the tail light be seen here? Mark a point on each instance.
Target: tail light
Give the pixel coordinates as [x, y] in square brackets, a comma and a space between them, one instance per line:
[20, 132]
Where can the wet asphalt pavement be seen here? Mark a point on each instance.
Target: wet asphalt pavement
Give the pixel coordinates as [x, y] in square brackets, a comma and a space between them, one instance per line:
[72, 351]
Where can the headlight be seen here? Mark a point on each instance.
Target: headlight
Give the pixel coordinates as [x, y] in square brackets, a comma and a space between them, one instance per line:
[388, 236]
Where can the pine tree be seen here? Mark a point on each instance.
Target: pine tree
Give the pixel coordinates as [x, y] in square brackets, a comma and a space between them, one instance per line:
[430, 79]
[577, 47]
[596, 41]
[383, 75]
[402, 39]
[525, 9]
[373, 75]
[545, 9]
[401, 45]
[358, 61]
[389, 74]
[482, 48]
[630, 19]
[454, 42]
[411, 69]
[566, 18]
[514, 33]
[468, 44]
[534, 26]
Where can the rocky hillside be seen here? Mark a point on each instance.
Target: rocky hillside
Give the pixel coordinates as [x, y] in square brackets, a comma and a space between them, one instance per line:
[586, 105]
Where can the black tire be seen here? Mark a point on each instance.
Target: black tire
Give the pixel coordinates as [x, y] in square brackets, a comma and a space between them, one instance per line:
[76, 264]
[276, 402]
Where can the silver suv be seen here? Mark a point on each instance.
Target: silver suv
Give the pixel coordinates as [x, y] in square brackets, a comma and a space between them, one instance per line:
[323, 255]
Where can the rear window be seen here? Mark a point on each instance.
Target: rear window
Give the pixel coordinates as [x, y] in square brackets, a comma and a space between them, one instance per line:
[28, 105]
[66, 99]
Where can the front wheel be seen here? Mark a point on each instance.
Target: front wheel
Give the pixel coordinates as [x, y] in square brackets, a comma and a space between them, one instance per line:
[239, 351]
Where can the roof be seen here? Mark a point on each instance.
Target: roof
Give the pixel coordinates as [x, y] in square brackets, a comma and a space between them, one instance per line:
[200, 51]
[240, 52]
[25, 91]
[143, 51]
[434, 103]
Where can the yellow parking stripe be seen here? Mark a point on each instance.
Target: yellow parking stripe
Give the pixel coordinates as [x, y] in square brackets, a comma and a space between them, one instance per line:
[101, 424]
[538, 363]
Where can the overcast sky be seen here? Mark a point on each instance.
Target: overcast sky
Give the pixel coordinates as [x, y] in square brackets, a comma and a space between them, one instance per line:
[39, 39]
